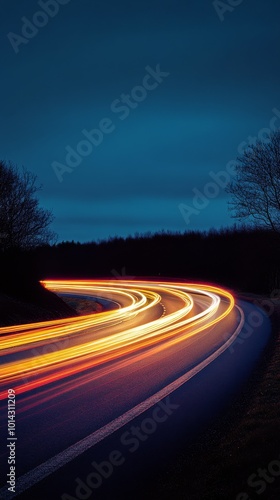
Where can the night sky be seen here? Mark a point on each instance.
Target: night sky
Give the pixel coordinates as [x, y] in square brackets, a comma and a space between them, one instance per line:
[195, 78]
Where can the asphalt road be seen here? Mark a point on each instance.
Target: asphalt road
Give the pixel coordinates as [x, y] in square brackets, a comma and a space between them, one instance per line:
[82, 384]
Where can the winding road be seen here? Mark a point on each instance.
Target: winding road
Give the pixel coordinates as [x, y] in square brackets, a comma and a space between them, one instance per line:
[78, 381]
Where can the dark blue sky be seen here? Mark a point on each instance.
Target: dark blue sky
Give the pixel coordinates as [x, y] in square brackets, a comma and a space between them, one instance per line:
[72, 73]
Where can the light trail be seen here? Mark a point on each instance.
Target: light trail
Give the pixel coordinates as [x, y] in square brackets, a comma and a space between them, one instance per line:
[140, 326]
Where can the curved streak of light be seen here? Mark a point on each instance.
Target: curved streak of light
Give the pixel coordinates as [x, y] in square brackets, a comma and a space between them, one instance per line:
[53, 464]
[163, 332]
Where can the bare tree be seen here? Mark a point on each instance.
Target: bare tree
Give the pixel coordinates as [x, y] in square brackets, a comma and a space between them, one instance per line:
[23, 224]
[256, 188]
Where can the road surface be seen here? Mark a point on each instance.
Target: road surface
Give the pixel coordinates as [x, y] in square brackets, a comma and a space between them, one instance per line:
[80, 381]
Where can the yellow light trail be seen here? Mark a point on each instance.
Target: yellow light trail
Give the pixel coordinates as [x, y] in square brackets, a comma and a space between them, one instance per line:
[87, 348]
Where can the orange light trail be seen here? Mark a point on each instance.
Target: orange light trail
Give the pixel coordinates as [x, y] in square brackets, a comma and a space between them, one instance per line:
[150, 316]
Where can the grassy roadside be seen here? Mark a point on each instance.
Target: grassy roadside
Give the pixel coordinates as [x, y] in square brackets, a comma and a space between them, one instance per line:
[242, 441]
[83, 306]
[30, 304]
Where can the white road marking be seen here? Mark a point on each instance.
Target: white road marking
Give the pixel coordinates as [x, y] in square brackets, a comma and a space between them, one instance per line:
[51, 465]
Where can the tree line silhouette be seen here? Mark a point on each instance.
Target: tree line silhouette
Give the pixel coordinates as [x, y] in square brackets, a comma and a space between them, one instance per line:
[241, 258]
[245, 258]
